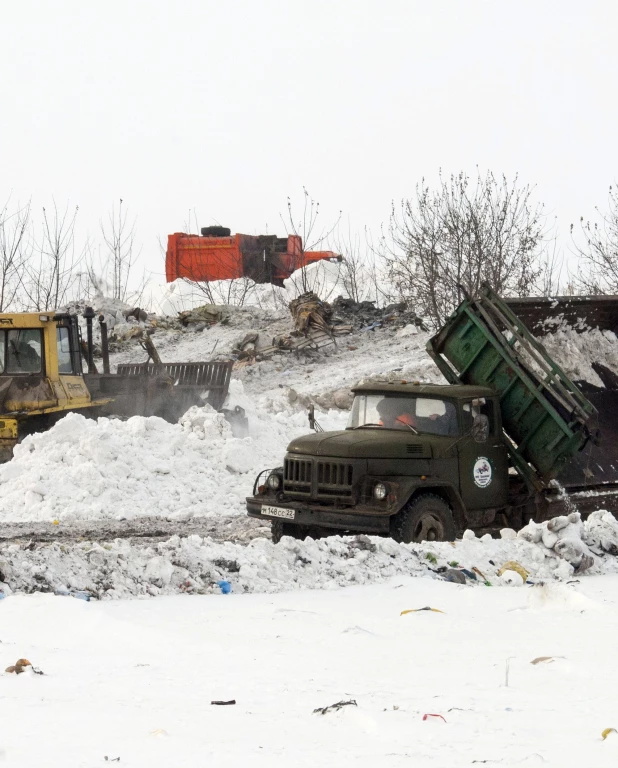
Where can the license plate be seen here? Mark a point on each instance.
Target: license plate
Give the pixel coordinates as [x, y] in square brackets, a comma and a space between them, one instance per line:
[288, 514]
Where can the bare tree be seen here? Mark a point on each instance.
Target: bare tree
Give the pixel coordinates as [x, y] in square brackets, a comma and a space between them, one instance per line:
[451, 239]
[307, 225]
[119, 238]
[597, 247]
[54, 274]
[359, 271]
[14, 247]
[551, 264]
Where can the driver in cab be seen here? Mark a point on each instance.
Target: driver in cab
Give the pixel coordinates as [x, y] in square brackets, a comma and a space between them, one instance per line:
[393, 415]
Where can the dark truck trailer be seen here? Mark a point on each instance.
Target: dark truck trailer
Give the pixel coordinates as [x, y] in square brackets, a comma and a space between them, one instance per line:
[485, 451]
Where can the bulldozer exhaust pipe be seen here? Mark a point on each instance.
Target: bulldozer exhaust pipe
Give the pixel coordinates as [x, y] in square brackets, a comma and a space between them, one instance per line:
[104, 343]
[88, 316]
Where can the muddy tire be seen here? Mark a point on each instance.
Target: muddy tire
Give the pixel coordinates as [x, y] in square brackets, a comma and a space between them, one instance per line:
[425, 518]
[278, 529]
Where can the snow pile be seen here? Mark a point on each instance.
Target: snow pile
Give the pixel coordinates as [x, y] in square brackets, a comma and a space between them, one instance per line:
[84, 469]
[168, 299]
[194, 564]
[566, 537]
[601, 532]
[575, 352]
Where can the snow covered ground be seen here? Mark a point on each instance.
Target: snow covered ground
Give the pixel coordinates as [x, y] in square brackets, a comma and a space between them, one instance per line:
[134, 680]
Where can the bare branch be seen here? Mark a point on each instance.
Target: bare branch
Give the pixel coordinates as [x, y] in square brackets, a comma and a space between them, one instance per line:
[597, 248]
[14, 252]
[460, 235]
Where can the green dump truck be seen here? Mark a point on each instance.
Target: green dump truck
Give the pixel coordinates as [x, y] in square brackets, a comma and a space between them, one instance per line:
[509, 439]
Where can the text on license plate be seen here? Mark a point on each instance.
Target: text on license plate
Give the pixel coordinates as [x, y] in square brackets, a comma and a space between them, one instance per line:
[278, 512]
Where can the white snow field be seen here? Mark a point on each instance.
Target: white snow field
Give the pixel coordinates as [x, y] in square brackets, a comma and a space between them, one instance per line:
[133, 681]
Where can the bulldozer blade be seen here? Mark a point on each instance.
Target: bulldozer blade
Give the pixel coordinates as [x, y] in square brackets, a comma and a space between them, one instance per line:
[167, 390]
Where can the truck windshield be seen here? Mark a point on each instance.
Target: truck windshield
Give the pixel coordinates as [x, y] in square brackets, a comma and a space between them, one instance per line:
[423, 415]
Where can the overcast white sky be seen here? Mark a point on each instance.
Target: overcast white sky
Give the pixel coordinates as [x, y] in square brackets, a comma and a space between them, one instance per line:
[229, 107]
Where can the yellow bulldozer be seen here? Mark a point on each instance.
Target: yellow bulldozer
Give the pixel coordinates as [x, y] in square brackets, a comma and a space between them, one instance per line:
[42, 378]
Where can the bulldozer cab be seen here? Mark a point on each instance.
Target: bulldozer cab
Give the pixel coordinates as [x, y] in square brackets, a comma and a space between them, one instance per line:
[40, 364]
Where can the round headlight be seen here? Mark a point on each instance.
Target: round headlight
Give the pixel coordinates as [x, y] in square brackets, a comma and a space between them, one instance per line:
[379, 491]
[274, 481]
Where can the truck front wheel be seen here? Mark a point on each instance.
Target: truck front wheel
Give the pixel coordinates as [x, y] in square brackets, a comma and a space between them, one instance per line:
[278, 529]
[425, 518]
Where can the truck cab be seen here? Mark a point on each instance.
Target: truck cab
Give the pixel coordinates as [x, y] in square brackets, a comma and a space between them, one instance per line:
[416, 461]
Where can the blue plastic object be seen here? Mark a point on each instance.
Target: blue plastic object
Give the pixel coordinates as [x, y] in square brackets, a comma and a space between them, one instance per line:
[83, 596]
[225, 587]
[2, 595]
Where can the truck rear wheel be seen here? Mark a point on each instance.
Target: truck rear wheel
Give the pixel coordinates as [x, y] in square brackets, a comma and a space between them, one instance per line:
[425, 518]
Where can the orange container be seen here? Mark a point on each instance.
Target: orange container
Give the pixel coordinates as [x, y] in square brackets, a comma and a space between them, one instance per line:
[263, 258]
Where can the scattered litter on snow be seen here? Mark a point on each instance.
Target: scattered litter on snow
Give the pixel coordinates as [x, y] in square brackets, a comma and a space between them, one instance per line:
[419, 610]
[432, 717]
[21, 666]
[335, 707]
[514, 567]
[545, 659]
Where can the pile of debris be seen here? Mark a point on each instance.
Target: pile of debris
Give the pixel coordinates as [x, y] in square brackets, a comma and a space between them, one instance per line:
[317, 324]
[365, 316]
[314, 327]
[204, 316]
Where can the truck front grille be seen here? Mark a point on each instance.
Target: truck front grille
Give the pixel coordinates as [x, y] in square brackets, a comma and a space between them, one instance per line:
[317, 479]
[297, 476]
[334, 478]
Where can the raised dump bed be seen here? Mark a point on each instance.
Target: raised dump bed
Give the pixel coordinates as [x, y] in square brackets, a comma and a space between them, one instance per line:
[545, 416]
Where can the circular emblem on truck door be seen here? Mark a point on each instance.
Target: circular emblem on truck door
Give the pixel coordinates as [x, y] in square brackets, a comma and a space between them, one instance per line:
[482, 472]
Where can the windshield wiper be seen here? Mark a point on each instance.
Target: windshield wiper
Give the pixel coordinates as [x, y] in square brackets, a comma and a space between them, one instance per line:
[368, 424]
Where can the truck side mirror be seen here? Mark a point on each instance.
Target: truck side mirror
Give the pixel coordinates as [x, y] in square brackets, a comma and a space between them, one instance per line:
[313, 424]
[480, 428]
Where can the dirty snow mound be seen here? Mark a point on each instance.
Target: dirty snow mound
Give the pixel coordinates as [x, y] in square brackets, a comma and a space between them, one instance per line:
[196, 564]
